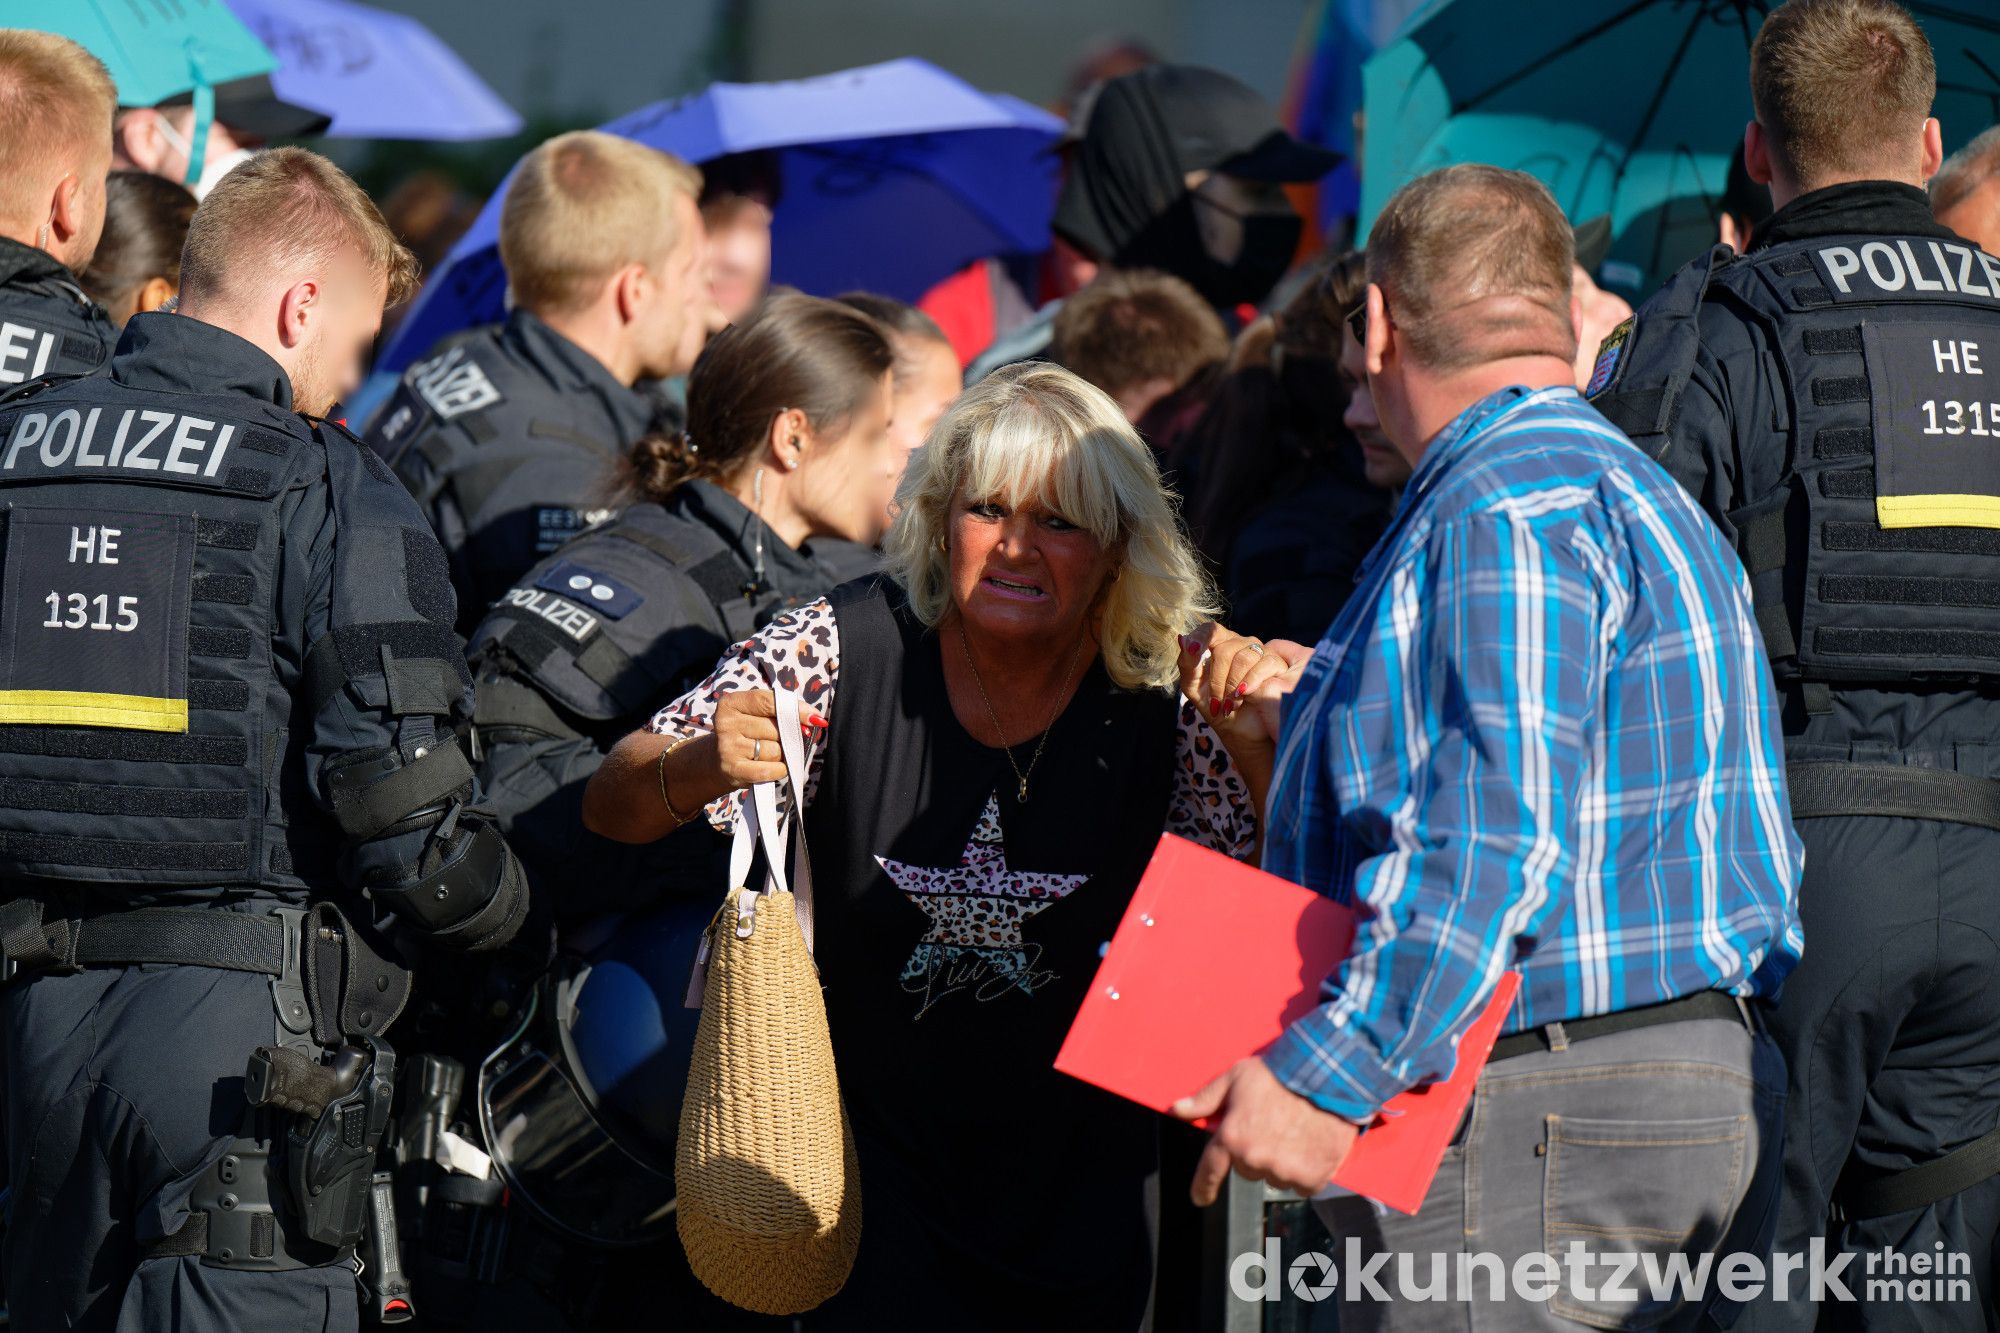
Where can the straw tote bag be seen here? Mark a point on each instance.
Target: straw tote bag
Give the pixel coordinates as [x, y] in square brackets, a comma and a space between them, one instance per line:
[769, 1194]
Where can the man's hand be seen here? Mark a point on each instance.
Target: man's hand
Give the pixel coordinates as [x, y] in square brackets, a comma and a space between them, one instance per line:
[1266, 1132]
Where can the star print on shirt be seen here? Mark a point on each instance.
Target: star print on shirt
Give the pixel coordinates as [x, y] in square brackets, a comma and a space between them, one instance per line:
[976, 909]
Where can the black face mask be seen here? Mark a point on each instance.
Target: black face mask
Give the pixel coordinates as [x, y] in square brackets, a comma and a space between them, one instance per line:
[1174, 243]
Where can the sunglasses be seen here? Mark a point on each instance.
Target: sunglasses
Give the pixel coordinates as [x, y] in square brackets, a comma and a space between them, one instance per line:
[1357, 322]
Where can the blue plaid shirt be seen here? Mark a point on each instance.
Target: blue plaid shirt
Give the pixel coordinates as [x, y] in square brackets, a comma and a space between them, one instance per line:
[1541, 735]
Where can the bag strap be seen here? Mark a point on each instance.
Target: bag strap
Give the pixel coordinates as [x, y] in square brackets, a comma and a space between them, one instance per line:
[763, 821]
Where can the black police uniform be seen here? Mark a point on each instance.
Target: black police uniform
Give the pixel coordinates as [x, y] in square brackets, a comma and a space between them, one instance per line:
[509, 437]
[583, 649]
[577, 654]
[1830, 399]
[47, 325]
[228, 681]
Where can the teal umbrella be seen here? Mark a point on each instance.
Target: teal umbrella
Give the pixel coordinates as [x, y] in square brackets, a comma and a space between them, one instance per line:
[1626, 107]
[155, 49]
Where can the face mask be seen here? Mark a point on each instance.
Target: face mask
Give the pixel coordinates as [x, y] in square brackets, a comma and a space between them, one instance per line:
[1259, 248]
[213, 169]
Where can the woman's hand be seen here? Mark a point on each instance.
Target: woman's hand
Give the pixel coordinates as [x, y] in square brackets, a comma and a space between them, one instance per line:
[1237, 682]
[746, 737]
[642, 792]
[1239, 685]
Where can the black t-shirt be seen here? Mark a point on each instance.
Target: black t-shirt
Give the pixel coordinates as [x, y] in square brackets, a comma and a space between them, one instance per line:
[957, 930]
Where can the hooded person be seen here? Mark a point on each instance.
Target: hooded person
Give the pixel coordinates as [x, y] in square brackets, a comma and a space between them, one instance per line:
[1180, 169]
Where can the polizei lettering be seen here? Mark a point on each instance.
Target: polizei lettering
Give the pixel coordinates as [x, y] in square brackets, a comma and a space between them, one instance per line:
[566, 616]
[1909, 267]
[135, 440]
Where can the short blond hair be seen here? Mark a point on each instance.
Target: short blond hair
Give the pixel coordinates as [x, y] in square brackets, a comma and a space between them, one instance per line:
[582, 206]
[1036, 431]
[1475, 263]
[57, 102]
[1842, 87]
[281, 209]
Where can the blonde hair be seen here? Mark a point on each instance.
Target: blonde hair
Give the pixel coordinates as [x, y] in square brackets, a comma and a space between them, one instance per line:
[282, 209]
[1453, 240]
[582, 206]
[56, 100]
[1842, 87]
[1036, 431]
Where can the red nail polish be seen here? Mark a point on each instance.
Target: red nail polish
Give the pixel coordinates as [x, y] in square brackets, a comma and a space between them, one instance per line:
[1243, 689]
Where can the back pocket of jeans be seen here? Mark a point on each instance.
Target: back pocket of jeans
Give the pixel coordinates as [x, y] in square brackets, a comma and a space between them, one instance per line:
[1646, 1200]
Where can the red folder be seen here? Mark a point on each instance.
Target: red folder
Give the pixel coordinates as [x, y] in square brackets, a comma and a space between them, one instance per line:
[1211, 963]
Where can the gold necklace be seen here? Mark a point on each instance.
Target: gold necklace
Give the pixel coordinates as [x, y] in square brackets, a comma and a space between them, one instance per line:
[1021, 793]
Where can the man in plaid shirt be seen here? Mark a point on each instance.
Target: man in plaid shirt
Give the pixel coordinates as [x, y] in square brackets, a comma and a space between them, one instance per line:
[1541, 736]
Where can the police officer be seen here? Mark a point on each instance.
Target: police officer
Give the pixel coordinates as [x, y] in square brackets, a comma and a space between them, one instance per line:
[55, 148]
[228, 686]
[509, 436]
[1826, 397]
[788, 441]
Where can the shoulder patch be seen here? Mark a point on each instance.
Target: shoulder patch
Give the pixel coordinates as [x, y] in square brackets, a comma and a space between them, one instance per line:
[453, 384]
[609, 597]
[1609, 353]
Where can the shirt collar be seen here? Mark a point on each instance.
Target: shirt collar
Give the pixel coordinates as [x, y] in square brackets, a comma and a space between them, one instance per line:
[573, 369]
[177, 354]
[26, 262]
[1456, 439]
[786, 569]
[1852, 208]
[1446, 448]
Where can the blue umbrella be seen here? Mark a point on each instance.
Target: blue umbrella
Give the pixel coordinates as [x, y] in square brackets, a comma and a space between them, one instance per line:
[893, 176]
[1626, 107]
[379, 75]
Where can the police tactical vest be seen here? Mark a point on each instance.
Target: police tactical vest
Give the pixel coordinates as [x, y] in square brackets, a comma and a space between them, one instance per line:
[142, 726]
[1881, 559]
[49, 327]
[465, 420]
[594, 633]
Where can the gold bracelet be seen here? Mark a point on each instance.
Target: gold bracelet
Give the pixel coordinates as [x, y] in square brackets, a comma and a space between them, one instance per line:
[666, 800]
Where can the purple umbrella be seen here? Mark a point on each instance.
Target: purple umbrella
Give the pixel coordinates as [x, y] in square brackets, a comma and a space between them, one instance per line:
[379, 75]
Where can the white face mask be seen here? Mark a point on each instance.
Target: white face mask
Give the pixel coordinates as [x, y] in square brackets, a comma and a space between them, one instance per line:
[213, 169]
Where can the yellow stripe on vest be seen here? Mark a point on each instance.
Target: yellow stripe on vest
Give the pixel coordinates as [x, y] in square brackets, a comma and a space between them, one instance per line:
[80, 708]
[1938, 511]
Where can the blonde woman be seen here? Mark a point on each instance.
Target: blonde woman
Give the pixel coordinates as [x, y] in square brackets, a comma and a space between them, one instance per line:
[996, 745]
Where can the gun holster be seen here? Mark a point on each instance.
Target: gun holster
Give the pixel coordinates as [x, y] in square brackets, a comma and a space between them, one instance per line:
[340, 1111]
[324, 1161]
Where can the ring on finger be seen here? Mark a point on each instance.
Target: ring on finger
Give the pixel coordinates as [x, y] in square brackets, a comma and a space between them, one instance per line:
[1255, 647]
[756, 750]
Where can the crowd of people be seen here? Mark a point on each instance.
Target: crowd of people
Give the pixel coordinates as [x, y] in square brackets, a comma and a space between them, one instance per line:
[1650, 654]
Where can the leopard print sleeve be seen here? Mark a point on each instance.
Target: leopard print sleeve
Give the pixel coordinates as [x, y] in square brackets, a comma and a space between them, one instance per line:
[1211, 802]
[799, 651]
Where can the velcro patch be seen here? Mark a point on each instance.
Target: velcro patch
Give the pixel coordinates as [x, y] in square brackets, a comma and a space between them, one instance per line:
[1609, 352]
[453, 384]
[609, 597]
[94, 620]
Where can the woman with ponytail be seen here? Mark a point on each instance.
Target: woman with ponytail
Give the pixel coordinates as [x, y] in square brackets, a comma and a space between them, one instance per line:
[787, 440]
